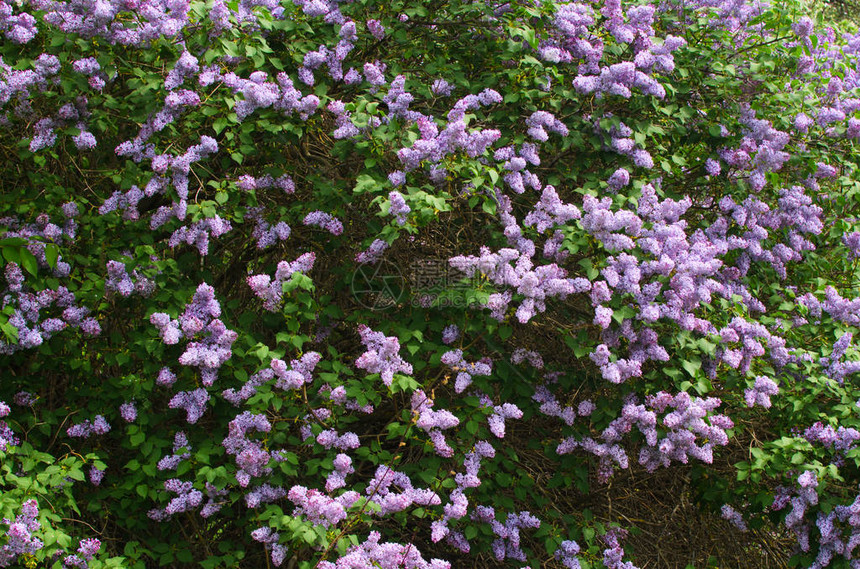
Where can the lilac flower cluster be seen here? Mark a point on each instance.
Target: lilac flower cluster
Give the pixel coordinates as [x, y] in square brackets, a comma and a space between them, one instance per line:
[695, 268]
[398, 100]
[265, 233]
[199, 233]
[373, 253]
[540, 121]
[96, 475]
[550, 212]
[458, 504]
[19, 537]
[832, 365]
[500, 414]
[516, 163]
[293, 377]
[270, 537]
[199, 320]
[344, 127]
[332, 58]
[7, 436]
[18, 28]
[342, 468]
[617, 138]
[852, 241]
[450, 334]
[125, 202]
[325, 221]
[331, 439]
[251, 458]
[213, 503]
[839, 527]
[26, 308]
[614, 552]
[566, 554]
[23, 399]
[249, 183]
[379, 491]
[382, 355]
[398, 207]
[271, 291]
[161, 19]
[465, 370]
[550, 406]
[760, 393]
[319, 508]
[434, 145]
[264, 494]
[806, 495]
[187, 498]
[98, 426]
[761, 150]
[44, 135]
[683, 426]
[372, 553]
[507, 542]
[839, 440]
[138, 148]
[181, 451]
[535, 284]
[128, 412]
[834, 304]
[299, 372]
[338, 397]
[733, 517]
[87, 550]
[27, 318]
[433, 422]
[192, 402]
[260, 93]
[521, 355]
[118, 280]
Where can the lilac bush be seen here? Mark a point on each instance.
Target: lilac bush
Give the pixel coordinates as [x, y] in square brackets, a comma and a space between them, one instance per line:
[297, 283]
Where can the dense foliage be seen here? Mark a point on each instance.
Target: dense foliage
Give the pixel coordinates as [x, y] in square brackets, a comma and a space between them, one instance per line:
[300, 283]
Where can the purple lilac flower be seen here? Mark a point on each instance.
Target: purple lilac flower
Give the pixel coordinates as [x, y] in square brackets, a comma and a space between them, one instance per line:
[269, 290]
[96, 475]
[566, 554]
[619, 179]
[181, 451]
[7, 437]
[128, 412]
[193, 402]
[22, 399]
[325, 221]
[373, 253]
[433, 422]
[381, 356]
[19, 537]
[734, 517]
[450, 334]
[441, 88]
[465, 370]
[376, 29]
[187, 498]
[99, 426]
[760, 393]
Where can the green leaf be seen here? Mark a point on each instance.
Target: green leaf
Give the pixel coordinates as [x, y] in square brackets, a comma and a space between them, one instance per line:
[692, 366]
[52, 253]
[28, 262]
